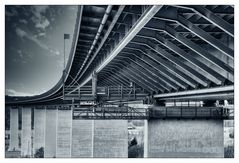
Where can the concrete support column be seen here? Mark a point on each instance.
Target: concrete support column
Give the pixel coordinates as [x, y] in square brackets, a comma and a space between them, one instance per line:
[185, 138]
[145, 138]
[39, 128]
[82, 141]
[14, 142]
[110, 138]
[26, 141]
[50, 133]
[64, 129]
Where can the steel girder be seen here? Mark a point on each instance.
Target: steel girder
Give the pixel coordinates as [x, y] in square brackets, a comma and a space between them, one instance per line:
[116, 17]
[197, 92]
[161, 26]
[139, 76]
[107, 75]
[211, 17]
[124, 77]
[162, 64]
[144, 19]
[160, 72]
[206, 37]
[148, 72]
[117, 77]
[134, 77]
[194, 74]
[211, 74]
[144, 74]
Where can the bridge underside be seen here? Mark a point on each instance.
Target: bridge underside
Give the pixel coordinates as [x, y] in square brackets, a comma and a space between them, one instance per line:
[135, 52]
[153, 63]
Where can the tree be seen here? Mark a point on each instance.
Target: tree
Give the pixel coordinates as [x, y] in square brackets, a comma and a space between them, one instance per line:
[40, 153]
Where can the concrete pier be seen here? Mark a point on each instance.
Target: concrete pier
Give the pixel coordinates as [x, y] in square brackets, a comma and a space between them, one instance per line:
[14, 141]
[185, 138]
[50, 133]
[110, 138]
[26, 141]
[64, 129]
[39, 129]
[82, 142]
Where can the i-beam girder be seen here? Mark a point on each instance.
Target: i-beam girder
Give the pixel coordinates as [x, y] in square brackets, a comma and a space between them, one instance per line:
[116, 17]
[218, 82]
[145, 17]
[194, 74]
[132, 77]
[108, 76]
[200, 33]
[155, 78]
[213, 18]
[213, 75]
[162, 64]
[161, 26]
[158, 71]
[156, 74]
[143, 74]
[139, 76]
[119, 76]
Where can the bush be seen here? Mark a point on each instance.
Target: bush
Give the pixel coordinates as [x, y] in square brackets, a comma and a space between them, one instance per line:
[229, 152]
[39, 153]
[136, 151]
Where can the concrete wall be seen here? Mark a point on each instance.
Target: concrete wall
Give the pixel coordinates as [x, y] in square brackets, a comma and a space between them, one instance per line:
[64, 128]
[50, 133]
[110, 138]
[82, 139]
[13, 130]
[39, 129]
[185, 138]
[26, 141]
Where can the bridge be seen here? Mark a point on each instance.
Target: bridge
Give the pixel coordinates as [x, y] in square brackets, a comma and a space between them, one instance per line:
[169, 65]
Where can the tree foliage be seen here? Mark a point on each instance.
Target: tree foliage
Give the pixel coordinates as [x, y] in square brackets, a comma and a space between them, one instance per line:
[40, 153]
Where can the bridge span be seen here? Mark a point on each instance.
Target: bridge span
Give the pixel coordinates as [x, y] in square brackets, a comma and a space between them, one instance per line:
[170, 66]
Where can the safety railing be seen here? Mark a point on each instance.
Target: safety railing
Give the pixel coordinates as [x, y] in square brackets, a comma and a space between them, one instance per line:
[188, 112]
[110, 113]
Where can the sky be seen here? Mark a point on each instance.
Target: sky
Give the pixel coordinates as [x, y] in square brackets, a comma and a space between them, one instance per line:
[34, 47]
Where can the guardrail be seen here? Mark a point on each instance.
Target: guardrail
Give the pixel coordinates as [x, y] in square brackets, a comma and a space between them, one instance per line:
[190, 112]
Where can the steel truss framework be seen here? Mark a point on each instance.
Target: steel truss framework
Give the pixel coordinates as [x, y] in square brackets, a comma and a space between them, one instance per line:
[160, 48]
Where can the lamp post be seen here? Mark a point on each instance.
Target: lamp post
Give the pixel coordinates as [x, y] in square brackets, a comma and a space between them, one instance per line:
[66, 36]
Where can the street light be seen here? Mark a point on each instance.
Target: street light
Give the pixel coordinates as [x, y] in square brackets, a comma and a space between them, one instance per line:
[66, 36]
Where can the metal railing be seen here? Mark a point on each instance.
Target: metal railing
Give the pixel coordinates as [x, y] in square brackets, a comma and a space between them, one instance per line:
[110, 113]
[189, 112]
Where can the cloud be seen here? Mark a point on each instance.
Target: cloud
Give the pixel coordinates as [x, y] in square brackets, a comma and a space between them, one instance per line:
[20, 54]
[23, 34]
[20, 32]
[38, 17]
[39, 10]
[42, 23]
[12, 92]
[23, 21]
[42, 34]
[11, 11]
